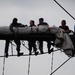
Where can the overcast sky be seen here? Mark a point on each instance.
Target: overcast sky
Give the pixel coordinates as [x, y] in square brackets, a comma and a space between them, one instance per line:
[25, 10]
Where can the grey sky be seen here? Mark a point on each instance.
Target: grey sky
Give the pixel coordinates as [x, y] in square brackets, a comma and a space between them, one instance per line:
[26, 10]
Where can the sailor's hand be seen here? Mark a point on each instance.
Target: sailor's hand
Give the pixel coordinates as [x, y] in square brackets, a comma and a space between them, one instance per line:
[37, 28]
[49, 28]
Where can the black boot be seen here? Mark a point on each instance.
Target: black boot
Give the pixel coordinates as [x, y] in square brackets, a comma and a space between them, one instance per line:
[30, 53]
[50, 50]
[6, 55]
[36, 53]
[19, 54]
[42, 52]
[73, 53]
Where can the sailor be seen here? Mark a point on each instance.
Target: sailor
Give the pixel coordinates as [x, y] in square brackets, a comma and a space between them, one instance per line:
[41, 22]
[67, 30]
[64, 26]
[32, 42]
[17, 41]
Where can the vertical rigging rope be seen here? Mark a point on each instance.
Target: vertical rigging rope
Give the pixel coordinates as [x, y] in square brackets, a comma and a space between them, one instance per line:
[29, 65]
[52, 63]
[23, 43]
[3, 65]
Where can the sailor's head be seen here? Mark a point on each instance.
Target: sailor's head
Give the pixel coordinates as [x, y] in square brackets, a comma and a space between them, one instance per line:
[32, 22]
[63, 22]
[41, 20]
[15, 20]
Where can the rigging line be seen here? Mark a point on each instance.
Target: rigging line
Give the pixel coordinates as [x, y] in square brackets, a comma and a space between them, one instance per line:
[61, 65]
[65, 10]
[24, 45]
[3, 66]
[29, 66]
[12, 43]
[28, 54]
[52, 63]
[12, 48]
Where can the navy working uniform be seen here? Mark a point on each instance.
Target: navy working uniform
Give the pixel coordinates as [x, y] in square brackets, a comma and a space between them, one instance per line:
[41, 22]
[17, 41]
[66, 29]
[32, 43]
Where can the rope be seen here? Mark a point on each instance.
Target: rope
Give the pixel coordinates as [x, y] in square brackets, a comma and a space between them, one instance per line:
[30, 55]
[29, 66]
[65, 10]
[52, 63]
[12, 43]
[61, 65]
[23, 43]
[12, 48]
[3, 66]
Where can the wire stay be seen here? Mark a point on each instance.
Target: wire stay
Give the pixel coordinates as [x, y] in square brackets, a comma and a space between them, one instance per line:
[61, 65]
[65, 10]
